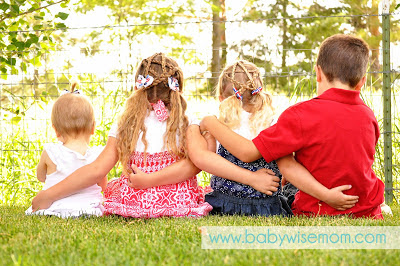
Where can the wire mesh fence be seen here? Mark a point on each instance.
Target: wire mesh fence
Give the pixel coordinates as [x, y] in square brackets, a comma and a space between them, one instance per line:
[106, 76]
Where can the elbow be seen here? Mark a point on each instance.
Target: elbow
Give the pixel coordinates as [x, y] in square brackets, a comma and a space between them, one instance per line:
[247, 156]
[197, 159]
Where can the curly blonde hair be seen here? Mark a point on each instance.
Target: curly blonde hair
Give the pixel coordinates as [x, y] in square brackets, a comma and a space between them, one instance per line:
[244, 77]
[138, 107]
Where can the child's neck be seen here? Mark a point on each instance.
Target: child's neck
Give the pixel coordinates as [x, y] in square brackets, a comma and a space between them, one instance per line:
[79, 144]
[326, 85]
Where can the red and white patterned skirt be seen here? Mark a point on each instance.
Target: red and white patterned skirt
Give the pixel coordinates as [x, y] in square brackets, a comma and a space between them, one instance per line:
[182, 199]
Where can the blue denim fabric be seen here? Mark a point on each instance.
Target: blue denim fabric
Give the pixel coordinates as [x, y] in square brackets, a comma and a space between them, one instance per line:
[230, 205]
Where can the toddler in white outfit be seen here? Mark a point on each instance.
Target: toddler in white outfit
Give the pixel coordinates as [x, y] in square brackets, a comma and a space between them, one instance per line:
[73, 121]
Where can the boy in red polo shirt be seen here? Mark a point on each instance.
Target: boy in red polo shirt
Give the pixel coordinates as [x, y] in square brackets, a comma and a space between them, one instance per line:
[333, 135]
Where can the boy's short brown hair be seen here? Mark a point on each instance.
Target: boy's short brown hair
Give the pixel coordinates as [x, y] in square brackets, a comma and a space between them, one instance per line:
[72, 115]
[343, 57]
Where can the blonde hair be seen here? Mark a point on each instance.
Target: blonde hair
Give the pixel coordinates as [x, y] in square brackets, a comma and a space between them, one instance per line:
[244, 77]
[138, 107]
[72, 115]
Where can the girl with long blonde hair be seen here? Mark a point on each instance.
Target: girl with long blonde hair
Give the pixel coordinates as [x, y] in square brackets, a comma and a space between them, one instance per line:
[149, 136]
[246, 109]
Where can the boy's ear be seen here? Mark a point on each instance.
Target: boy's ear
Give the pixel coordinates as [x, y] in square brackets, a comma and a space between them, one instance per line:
[360, 84]
[318, 72]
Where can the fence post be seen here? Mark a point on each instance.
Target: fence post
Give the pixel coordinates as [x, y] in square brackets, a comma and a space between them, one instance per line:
[387, 105]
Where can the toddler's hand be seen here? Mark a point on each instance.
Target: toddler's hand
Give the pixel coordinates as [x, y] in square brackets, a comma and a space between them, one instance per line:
[138, 179]
[41, 201]
[340, 201]
[265, 181]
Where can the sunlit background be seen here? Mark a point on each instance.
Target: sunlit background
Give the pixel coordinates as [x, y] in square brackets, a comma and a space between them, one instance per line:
[103, 42]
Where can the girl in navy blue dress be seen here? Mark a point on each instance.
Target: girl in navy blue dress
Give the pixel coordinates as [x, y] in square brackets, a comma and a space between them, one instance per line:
[246, 109]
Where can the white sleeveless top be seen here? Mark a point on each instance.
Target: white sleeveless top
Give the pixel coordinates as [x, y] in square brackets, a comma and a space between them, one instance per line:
[154, 134]
[88, 200]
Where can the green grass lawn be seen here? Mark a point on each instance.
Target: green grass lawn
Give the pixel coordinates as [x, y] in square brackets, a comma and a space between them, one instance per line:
[113, 240]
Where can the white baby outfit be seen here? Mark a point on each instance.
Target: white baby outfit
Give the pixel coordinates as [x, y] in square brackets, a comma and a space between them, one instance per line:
[87, 201]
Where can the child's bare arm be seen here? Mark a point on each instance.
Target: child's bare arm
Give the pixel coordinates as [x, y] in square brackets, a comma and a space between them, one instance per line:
[300, 177]
[242, 148]
[172, 174]
[263, 180]
[103, 183]
[41, 168]
[84, 177]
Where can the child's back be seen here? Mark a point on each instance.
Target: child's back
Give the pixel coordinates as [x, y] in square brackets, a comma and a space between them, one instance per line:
[159, 135]
[334, 135]
[231, 197]
[86, 201]
[73, 120]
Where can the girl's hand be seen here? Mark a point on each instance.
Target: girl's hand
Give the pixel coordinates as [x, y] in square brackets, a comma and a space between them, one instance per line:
[41, 201]
[211, 142]
[203, 123]
[139, 179]
[338, 200]
[265, 181]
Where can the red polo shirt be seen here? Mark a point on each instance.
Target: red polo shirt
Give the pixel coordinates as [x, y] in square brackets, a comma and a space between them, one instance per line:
[334, 137]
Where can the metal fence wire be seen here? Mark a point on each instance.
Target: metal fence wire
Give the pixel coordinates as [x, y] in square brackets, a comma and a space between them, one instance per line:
[106, 75]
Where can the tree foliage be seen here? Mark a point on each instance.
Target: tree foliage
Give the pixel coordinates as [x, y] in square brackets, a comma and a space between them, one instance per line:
[26, 28]
[302, 29]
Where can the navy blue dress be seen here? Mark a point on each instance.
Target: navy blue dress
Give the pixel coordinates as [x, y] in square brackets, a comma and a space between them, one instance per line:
[230, 197]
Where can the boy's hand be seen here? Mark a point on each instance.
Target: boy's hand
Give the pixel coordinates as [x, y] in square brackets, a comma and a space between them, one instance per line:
[338, 200]
[139, 179]
[265, 181]
[283, 181]
[41, 201]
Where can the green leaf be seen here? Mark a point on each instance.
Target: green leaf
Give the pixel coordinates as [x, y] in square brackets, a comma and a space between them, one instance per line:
[38, 17]
[398, 5]
[11, 61]
[62, 15]
[11, 47]
[60, 26]
[3, 70]
[34, 38]
[15, 119]
[37, 27]
[15, 8]
[4, 6]
[23, 67]
[14, 71]
[19, 45]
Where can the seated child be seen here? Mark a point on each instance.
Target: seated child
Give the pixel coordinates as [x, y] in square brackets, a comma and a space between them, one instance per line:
[246, 109]
[72, 117]
[333, 136]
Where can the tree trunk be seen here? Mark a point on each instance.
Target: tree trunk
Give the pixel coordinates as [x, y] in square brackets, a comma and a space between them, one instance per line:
[283, 80]
[218, 44]
[374, 43]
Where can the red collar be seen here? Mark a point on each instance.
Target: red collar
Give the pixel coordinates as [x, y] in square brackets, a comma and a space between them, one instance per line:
[342, 96]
